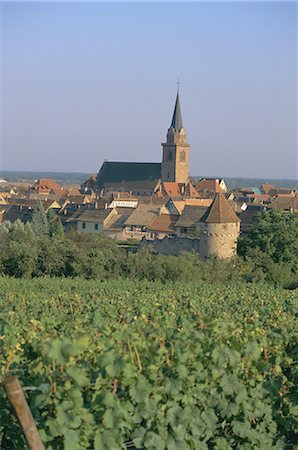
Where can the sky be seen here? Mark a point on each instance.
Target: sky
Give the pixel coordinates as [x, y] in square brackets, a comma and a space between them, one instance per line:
[86, 82]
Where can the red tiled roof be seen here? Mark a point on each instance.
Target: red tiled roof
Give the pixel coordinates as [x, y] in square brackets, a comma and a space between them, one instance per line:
[211, 184]
[46, 185]
[262, 197]
[191, 191]
[266, 187]
[163, 223]
[173, 189]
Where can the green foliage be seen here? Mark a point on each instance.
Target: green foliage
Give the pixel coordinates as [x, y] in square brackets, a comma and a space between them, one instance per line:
[165, 366]
[272, 247]
[268, 255]
[40, 224]
[55, 225]
[17, 249]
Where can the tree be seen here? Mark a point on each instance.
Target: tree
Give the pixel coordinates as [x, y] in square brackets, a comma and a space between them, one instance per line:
[40, 225]
[55, 226]
[272, 245]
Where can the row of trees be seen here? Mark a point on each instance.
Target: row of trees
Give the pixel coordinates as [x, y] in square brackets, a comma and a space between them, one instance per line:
[268, 253]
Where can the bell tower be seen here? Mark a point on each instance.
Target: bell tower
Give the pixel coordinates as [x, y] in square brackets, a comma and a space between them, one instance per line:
[175, 157]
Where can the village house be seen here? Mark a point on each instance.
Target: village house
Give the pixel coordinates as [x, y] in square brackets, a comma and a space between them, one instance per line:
[13, 213]
[178, 190]
[137, 224]
[30, 203]
[211, 186]
[163, 225]
[124, 202]
[46, 186]
[88, 187]
[287, 203]
[3, 201]
[94, 221]
[115, 228]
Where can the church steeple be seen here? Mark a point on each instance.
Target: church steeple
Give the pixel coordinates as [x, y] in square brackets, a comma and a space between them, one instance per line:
[177, 118]
[174, 167]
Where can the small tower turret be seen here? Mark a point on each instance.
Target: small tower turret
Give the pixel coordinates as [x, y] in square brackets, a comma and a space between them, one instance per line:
[219, 229]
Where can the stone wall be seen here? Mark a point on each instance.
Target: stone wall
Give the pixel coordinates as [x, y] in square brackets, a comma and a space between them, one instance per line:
[219, 239]
[171, 246]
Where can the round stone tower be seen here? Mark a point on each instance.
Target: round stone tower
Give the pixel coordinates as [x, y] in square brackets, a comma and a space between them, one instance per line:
[219, 230]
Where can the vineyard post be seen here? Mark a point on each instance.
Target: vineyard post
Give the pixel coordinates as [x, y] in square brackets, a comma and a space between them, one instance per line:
[17, 398]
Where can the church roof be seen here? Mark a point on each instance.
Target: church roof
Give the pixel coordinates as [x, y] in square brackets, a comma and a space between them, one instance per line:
[177, 118]
[115, 171]
[220, 211]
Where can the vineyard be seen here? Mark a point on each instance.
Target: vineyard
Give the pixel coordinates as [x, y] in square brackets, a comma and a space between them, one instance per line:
[122, 364]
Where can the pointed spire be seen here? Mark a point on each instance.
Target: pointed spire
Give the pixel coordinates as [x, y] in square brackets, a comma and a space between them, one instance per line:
[220, 211]
[177, 118]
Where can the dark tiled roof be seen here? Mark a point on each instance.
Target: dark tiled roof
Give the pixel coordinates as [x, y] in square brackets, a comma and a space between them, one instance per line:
[118, 221]
[152, 200]
[190, 216]
[284, 191]
[248, 215]
[112, 171]
[286, 203]
[20, 201]
[220, 211]
[143, 215]
[90, 215]
[177, 117]
[15, 212]
[132, 185]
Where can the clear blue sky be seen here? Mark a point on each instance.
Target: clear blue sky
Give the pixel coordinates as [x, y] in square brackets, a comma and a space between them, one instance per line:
[84, 82]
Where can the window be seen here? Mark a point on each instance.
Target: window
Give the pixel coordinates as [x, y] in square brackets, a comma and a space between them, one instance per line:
[170, 156]
[96, 226]
[84, 225]
[168, 175]
[182, 156]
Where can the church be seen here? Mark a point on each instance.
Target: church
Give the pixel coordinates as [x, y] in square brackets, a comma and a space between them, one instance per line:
[145, 178]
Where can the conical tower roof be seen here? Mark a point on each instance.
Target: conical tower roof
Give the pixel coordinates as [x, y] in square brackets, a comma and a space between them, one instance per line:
[220, 211]
[177, 118]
